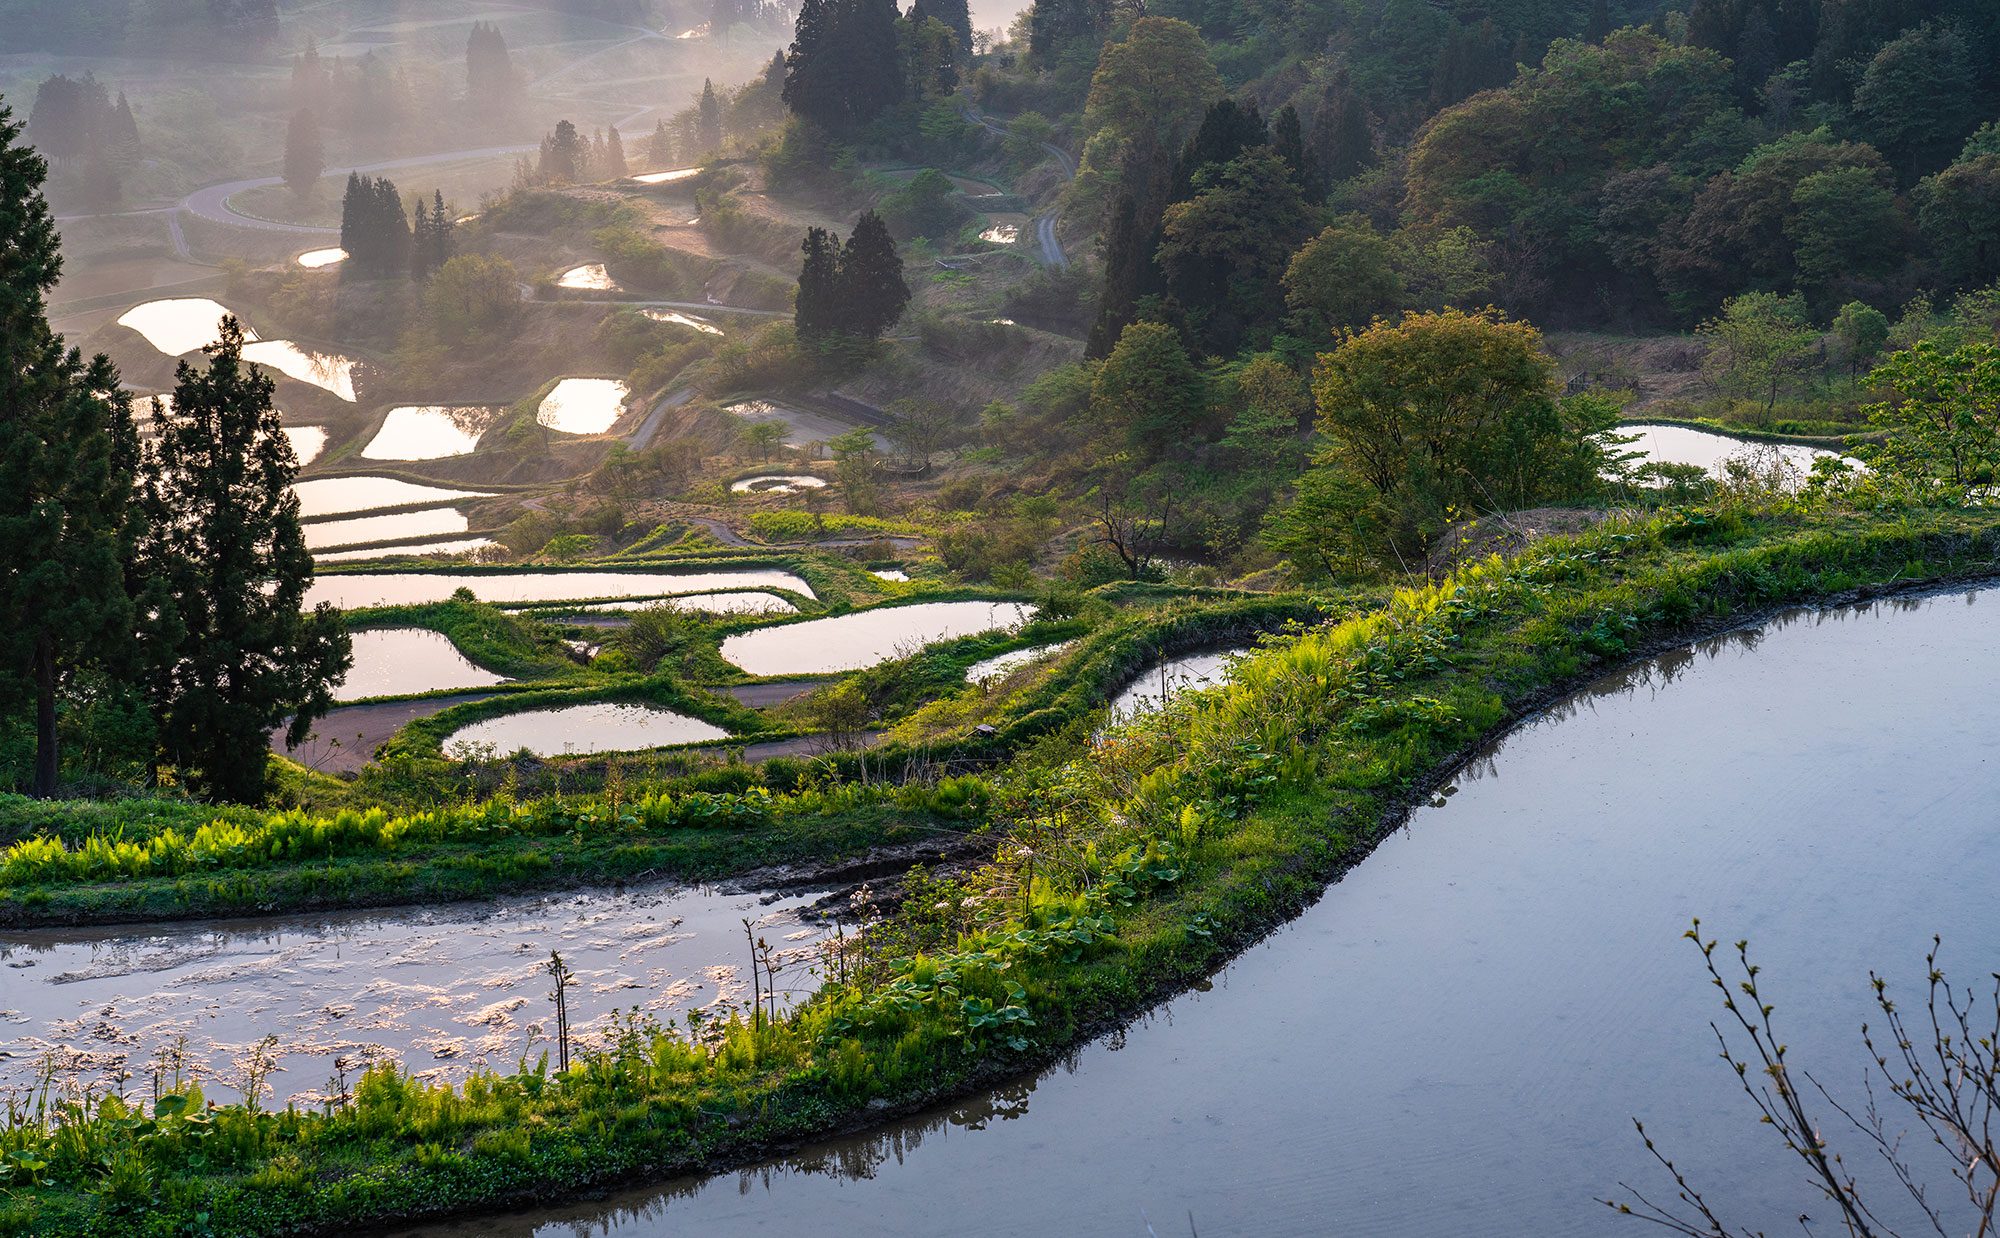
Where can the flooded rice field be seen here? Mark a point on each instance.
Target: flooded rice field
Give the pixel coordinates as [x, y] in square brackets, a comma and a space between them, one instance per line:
[895, 574]
[1162, 681]
[705, 603]
[314, 259]
[675, 174]
[583, 405]
[1456, 1038]
[327, 371]
[591, 277]
[449, 547]
[866, 638]
[179, 325]
[308, 442]
[399, 661]
[441, 990]
[429, 432]
[679, 319]
[409, 588]
[1007, 663]
[777, 483]
[336, 496]
[401, 526]
[602, 726]
[1710, 451]
[1002, 234]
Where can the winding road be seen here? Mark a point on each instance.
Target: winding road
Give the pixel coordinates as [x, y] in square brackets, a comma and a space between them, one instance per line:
[1045, 223]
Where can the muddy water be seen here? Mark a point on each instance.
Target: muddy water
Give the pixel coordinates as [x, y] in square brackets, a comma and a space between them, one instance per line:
[399, 661]
[405, 526]
[179, 325]
[407, 588]
[583, 405]
[334, 496]
[851, 642]
[598, 727]
[441, 990]
[1163, 680]
[1456, 1038]
[328, 371]
[431, 432]
[1704, 450]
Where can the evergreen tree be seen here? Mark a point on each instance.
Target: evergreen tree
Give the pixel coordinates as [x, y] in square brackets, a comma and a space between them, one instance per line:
[843, 69]
[373, 229]
[1052, 23]
[1342, 144]
[305, 156]
[818, 311]
[660, 148]
[872, 292]
[957, 18]
[420, 241]
[444, 240]
[310, 91]
[1289, 140]
[122, 143]
[492, 87]
[230, 654]
[67, 454]
[1129, 274]
[565, 155]
[614, 156]
[708, 121]
[1227, 130]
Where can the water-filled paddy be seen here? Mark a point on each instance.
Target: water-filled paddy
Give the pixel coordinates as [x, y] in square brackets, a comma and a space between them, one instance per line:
[1007, 663]
[894, 574]
[441, 990]
[680, 319]
[1706, 450]
[429, 432]
[307, 441]
[1456, 1038]
[1001, 234]
[1162, 681]
[327, 371]
[591, 277]
[777, 483]
[602, 726]
[452, 546]
[409, 588]
[313, 259]
[400, 526]
[865, 638]
[179, 325]
[583, 405]
[705, 603]
[334, 496]
[675, 174]
[400, 661]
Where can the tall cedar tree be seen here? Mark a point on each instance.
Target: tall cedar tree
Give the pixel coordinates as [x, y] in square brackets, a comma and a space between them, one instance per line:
[660, 147]
[818, 311]
[1342, 144]
[491, 86]
[872, 292]
[614, 155]
[956, 16]
[842, 70]
[231, 653]
[1052, 23]
[305, 155]
[1289, 140]
[373, 229]
[1129, 274]
[67, 454]
[565, 154]
[708, 120]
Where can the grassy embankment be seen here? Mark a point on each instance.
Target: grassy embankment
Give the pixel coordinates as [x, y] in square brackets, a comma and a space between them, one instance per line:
[1143, 862]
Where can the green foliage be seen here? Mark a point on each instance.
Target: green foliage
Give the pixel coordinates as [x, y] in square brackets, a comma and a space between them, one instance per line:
[1943, 420]
[1759, 343]
[471, 296]
[927, 205]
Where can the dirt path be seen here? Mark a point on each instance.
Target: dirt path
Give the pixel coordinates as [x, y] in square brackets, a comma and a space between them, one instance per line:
[1044, 225]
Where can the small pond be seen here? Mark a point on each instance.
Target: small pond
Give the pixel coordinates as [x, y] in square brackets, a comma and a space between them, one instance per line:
[866, 638]
[441, 990]
[1163, 680]
[400, 526]
[333, 496]
[777, 483]
[706, 603]
[328, 371]
[313, 259]
[1707, 450]
[451, 547]
[895, 574]
[679, 319]
[400, 661]
[1007, 663]
[179, 325]
[430, 432]
[675, 174]
[602, 726]
[409, 588]
[590, 277]
[583, 405]
[1002, 234]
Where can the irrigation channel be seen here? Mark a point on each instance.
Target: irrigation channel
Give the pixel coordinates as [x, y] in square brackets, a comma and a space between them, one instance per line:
[1456, 1038]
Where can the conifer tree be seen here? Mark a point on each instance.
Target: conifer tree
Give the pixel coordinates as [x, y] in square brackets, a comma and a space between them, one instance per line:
[1130, 273]
[614, 156]
[1288, 139]
[818, 312]
[444, 241]
[956, 16]
[492, 87]
[660, 146]
[1342, 144]
[872, 292]
[122, 143]
[708, 120]
[67, 454]
[305, 155]
[309, 81]
[843, 69]
[230, 655]
[565, 155]
[420, 241]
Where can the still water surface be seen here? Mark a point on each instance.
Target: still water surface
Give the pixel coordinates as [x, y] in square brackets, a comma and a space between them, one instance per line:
[327, 371]
[429, 432]
[602, 726]
[334, 496]
[398, 661]
[409, 588]
[583, 405]
[179, 325]
[1455, 1039]
[851, 642]
[402, 526]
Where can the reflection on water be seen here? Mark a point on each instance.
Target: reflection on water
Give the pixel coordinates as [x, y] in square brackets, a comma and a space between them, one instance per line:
[331, 496]
[400, 661]
[1456, 1038]
[1706, 450]
[590, 277]
[429, 432]
[678, 318]
[866, 638]
[583, 405]
[677, 174]
[895, 574]
[598, 727]
[1007, 663]
[307, 441]
[179, 325]
[440, 990]
[402, 526]
[328, 371]
[313, 259]
[777, 483]
[410, 588]
[705, 603]
[1164, 680]
[455, 546]
[1002, 234]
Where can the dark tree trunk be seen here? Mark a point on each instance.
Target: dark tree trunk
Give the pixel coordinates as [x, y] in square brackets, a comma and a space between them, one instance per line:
[45, 718]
